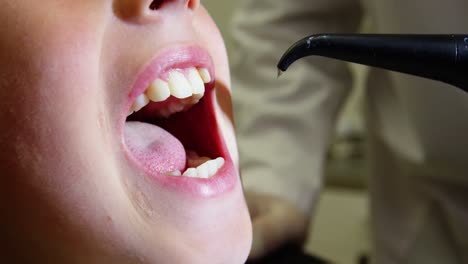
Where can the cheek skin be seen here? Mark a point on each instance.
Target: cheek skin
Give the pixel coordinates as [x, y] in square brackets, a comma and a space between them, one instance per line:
[58, 160]
[46, 68]
[209, 34]
[56, 90]
[40, 85]
[49, 89]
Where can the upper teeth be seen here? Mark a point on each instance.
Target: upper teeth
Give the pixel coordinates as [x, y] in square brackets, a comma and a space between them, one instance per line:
[180, 84]
[206, 170]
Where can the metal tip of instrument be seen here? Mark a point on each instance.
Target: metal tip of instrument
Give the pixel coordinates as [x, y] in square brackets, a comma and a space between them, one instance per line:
[280, 72]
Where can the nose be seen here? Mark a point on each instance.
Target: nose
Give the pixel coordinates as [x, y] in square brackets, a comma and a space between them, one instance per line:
[145, 11]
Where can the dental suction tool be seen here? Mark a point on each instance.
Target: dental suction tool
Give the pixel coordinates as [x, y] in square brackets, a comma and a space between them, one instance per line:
[438, 57]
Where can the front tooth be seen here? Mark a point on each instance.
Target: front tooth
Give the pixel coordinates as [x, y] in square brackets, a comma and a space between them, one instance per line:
[179, 85]
[140, 102]
[212, 167]
[198, 87]
[219, 162]
[205, 75]
[158, 91]
[190, 172]
[209, 168]
[202, 171]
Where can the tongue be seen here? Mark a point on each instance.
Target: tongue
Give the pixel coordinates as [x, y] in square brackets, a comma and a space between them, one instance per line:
[154, 148]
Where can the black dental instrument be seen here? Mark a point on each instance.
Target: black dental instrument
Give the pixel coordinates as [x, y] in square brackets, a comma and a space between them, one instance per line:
[438, 57]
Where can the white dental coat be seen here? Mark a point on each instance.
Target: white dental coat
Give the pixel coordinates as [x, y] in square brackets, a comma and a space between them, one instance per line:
[418, 129]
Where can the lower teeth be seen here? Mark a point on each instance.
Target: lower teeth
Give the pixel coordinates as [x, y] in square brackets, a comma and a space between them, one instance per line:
[206, 170]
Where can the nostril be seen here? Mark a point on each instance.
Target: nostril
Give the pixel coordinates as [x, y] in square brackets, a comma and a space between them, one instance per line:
[156, 4]
[192, 4]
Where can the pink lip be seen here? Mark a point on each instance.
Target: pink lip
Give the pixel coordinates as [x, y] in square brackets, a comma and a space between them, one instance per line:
[227, 177]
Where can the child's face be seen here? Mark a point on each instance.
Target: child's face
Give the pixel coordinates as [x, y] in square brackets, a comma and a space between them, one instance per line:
[83, 184]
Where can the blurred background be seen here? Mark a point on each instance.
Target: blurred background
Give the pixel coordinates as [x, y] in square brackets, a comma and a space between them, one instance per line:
[344, 195]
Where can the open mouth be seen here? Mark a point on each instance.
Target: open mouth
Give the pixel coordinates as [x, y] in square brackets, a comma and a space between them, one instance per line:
[171, 129]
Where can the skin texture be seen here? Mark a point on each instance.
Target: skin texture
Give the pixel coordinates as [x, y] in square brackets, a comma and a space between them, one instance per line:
[68, 192]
